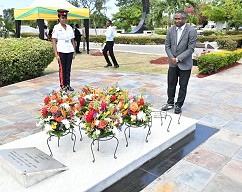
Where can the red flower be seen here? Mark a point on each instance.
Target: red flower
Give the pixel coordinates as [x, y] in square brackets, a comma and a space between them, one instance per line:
[47, 99]
[113, 98]
[82, 101]
[44, 111]
[103, 106]
[59, 100]
[89, 116]
[142, 101]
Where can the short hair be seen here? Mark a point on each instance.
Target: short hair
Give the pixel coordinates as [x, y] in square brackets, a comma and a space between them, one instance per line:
[109, 21]
[183, 13]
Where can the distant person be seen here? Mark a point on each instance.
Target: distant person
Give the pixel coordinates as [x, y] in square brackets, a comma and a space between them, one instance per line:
[109, 45]
[84, 38]
[64, 46]
[46, 33]
[180, 44]
[50, 34]
[77, 38]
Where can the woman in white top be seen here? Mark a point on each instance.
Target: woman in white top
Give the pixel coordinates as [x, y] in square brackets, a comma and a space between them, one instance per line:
[64, 46]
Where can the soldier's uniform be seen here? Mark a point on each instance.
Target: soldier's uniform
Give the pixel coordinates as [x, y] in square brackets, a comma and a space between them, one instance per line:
[65, 50]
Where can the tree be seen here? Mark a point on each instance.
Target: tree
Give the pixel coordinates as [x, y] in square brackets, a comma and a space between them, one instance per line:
[224, 11]
[7, 23]
[127, 16]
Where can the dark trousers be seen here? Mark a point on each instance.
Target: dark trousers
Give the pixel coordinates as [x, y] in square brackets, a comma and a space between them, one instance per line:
[65, 68]
[78, 45]
[109, 48]
[174, 73]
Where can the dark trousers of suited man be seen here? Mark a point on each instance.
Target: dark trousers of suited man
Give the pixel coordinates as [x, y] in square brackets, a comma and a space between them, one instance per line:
[109, 48]
[180, 44]
[65, 68]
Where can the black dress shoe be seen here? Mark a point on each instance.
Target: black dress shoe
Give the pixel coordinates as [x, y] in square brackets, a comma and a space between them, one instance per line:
[116, 66]
[167, 107]
[69, 88]
[108, 65]
[64, 89]
[177, 110]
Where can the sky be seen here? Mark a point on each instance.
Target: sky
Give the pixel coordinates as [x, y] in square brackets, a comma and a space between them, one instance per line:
[6, 4]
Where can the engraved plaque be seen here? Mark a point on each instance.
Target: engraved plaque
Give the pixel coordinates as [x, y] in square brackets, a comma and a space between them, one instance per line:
[33, 164]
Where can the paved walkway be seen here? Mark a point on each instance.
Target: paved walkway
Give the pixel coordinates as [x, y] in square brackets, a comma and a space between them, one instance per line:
[214, 166]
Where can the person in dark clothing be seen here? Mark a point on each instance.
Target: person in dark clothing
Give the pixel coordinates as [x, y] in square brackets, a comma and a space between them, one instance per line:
[77, 38]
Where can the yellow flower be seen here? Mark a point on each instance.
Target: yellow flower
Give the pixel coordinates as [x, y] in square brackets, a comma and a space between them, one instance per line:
[54, 125]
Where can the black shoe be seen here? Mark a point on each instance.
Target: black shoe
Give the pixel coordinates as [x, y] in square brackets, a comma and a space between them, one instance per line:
[167, 107]
[116, 66]
[177, 110]
[78, 52]
[64, 89]
[69, 88]
[108, 65]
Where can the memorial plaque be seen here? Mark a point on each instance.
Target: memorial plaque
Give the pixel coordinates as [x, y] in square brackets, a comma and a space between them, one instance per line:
[29, 165]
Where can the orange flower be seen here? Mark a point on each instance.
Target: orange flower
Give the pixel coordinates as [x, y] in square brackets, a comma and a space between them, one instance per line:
[54, 109]
[134, 108]
[120, 105]
[102, 124]
[125, 112]
[63, 113]
[53, 97]
[58, 119]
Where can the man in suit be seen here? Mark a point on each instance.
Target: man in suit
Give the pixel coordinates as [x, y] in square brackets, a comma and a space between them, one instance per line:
[180, 44]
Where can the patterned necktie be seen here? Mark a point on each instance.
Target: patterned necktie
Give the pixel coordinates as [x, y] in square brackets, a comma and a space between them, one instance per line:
[179, 32]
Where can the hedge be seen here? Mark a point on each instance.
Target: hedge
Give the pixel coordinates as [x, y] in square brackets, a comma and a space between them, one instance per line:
[23, 58]
[212, 62]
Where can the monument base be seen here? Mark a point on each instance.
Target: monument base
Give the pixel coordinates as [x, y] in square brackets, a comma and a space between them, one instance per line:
[83, 174]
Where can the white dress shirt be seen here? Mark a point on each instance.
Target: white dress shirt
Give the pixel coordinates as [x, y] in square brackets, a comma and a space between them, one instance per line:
[63, 37]
[179, 32]
[110, 34]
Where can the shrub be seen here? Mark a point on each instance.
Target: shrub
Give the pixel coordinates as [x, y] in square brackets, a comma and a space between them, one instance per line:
[23, 58]
[212, 62]
[24, 35]
[208, 32]
[227, 44]
[143, 40]
[161, 32]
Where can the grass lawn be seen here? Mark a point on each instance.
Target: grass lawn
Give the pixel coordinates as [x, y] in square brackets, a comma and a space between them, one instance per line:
[128, 62]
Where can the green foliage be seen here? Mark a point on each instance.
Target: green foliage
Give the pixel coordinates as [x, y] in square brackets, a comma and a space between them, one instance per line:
[161, 32]
[24, 35]
[227, 44]
[224, 10]
[131, 40]
[22, 59]
[212, 62]
[208, 32]
[127, 16]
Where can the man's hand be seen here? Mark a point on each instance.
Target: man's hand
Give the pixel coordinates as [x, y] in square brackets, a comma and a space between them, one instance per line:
[173, 61]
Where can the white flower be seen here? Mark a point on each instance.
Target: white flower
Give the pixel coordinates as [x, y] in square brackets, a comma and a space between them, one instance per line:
[133, 117]
[97, 122]
[97, 132]
[40, 123]
[141, 116]
[48, 127]
[89, 97]
[66, 123]
[117, 89]
[115, 131]
[65, 105]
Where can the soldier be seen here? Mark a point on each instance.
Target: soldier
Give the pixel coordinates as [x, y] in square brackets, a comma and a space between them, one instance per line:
[64, 45]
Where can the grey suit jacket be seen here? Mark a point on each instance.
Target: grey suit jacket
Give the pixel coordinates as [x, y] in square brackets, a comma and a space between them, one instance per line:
[183, 51]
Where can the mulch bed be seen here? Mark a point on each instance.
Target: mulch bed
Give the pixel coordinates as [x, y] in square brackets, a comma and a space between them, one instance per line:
[160, 61]
[220, 70]
[97, 53]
